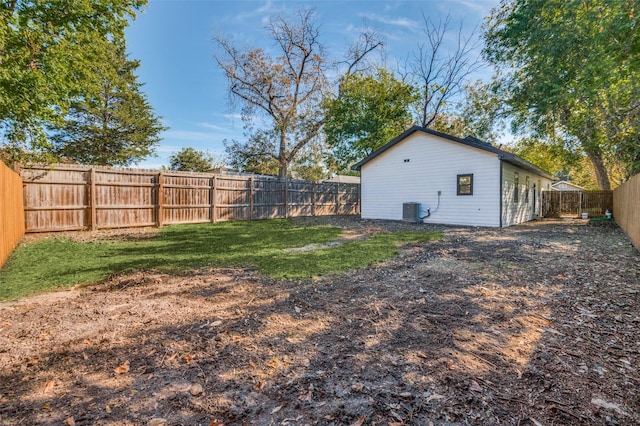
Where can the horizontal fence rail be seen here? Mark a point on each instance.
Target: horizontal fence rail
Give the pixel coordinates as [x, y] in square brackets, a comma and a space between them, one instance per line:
[574, 203]
[626, 208]
[72, 197]
[11, 211]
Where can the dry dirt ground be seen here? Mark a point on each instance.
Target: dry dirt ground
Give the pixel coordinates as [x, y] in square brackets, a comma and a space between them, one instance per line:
[531, 325]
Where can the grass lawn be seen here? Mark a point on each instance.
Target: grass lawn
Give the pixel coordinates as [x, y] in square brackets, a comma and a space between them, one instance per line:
[53, 263]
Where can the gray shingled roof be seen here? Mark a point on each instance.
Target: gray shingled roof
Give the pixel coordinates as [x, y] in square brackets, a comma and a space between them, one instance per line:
[468, 141]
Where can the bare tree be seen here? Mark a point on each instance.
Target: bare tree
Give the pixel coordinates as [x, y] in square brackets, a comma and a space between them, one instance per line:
[287, 88]
[440, 71]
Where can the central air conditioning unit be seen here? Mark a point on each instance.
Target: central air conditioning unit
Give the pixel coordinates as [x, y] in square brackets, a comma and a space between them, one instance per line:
[411, 212]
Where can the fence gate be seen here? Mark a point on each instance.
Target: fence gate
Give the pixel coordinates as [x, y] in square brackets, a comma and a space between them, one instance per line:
[574, 203]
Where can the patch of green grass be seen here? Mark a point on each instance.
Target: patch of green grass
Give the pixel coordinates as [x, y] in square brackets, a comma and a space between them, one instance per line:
[56, 262]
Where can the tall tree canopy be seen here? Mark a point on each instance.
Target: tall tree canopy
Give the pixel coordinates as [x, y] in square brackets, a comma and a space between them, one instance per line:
[370, 110]
[51, 52]
[115, 126]
[192, 160]
[286, 88]
[554, 157]
[572, 70]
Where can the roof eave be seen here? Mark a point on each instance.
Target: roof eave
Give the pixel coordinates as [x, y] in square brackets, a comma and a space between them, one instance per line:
[523, 164]
[503, 155]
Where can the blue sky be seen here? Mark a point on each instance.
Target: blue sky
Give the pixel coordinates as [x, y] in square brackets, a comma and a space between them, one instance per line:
[173, 39]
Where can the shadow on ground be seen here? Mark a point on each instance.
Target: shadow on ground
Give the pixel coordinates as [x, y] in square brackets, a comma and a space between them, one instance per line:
[535, 324]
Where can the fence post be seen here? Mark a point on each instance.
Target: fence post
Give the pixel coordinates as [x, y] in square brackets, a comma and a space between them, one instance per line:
[160, 189]
[286, 197]
[251, 198]
[212, 199]
[92, 200]
[336, 187]
[313, 200]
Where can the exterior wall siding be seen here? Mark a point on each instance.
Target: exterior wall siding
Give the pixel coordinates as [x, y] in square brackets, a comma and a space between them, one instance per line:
[416, 169]
[525, 208]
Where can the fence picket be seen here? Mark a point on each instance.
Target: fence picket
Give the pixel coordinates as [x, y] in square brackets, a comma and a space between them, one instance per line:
[574, 203]
[626, 208]
[103, 197]
[11, 211]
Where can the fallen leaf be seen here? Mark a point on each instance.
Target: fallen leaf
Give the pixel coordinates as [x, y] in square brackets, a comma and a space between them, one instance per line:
[306, 397]
[196, 389]
[46, 407]
[535, 422]
[70, 421]
[85, 356]
[108, 409]
[252, 364]
[357, 387]
[50, 385]
[158, 421]
[475, 387]
[397, 416]
[6, 323]
[434, 396]
[274, 363]
[122, 368]
[188, 358]
[216, 423]
[275, 410]
[359, 422]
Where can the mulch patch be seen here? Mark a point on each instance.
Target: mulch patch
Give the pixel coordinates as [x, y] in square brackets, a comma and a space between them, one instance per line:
[535, 324]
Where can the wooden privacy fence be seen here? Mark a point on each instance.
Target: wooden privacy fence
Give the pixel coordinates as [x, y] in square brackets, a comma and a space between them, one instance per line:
[626, 208]
[574, 203]
[72, 197]
[11, 211]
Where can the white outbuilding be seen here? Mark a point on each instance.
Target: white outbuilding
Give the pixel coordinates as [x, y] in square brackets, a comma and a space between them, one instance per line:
[432, 177]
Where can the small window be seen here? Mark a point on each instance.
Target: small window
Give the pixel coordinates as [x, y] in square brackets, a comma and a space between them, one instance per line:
[526, 189]
[516, 187]
[465, 184]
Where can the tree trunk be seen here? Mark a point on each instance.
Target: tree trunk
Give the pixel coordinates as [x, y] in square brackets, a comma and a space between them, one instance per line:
[282, 155]
[602, 176]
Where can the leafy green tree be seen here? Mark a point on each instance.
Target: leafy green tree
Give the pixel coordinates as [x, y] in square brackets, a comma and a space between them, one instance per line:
[114, 126]
[50, 53]
[310, 164]
[571, 69]
[368, 112]
[192, 160]
[483, 112]
[287, 88]
[258, 154]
